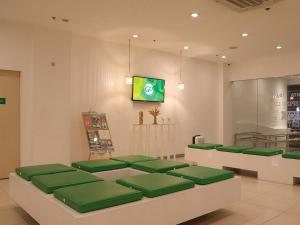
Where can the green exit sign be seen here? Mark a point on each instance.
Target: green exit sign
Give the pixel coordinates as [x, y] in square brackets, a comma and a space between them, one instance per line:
[2, 101]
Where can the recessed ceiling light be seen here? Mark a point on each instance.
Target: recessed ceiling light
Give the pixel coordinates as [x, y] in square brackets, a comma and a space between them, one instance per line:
[278, 47]
[245, 35]
[223, 56]
[186, 47]
[135, 36]
[194, 14]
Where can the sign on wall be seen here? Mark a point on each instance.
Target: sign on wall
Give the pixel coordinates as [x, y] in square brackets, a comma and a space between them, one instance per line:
[293, 106]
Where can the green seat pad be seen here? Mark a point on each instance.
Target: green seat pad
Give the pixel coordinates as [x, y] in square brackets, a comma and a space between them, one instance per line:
[158, 166]
[291, 155]
[204, 146]
[202, 175]
[99, 165]
[156, 184]
[27, 172]
[234, 149]
[49, 183]
[96, 195]
[262, 151]
[133, 159]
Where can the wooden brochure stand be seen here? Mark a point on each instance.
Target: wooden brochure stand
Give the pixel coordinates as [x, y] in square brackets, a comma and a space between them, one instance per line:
[98, 134]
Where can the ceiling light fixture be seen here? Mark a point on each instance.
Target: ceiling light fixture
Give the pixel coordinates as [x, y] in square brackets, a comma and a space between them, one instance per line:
[180, 83]
[278, 47]
[195, 15]
[135, 36]
[180, 86]
[223, 57]
[128, 78]
[245, 34]
[186, 47]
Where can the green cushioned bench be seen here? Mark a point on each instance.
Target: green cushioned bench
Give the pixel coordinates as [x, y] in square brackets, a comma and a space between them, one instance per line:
[202, 175]
[262, 151]
[233, 149]
[97, 195]
[204, 146]
[291, 155]
[156, 184]
[99, 165]
[51, 182]
[27, 172]
[133, 159]
[158, 166]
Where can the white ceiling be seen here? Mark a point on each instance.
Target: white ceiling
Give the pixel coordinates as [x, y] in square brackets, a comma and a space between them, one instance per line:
[169, 22]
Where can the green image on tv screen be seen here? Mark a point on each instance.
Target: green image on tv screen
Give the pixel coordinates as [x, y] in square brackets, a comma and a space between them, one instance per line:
[148, 89]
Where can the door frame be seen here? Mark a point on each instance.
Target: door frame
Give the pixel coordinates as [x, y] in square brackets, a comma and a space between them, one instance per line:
[20, 71]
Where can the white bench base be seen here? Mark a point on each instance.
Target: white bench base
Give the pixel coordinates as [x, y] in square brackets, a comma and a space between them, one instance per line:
[164, 210]
[271, 168]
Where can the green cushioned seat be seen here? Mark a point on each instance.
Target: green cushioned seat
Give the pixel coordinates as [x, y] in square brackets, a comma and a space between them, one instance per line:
[27, 172]
[156, 184]
[262, 151]
[158, 166]
[99, 165]
[51, 182]
[234, 149]
[204, 146]
[291, 155]
[96, 195]
[133, 159]
[202, 175]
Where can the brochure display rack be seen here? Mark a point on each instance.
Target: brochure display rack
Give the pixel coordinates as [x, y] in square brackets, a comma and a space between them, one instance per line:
[98, 134]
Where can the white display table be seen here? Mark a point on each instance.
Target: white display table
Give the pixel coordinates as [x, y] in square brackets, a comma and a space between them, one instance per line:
[155, 140]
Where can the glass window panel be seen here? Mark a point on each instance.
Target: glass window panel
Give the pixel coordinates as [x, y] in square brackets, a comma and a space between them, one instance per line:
[244, 95]
[272, 113]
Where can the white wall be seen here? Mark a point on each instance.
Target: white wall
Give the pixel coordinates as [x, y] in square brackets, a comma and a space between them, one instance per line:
[98, 80]
[225, 96]
[90, 73]
[51, 98]
[44, 89]
[277, 65]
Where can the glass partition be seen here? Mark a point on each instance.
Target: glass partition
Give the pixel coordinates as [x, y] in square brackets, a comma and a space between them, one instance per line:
[245, 106]
[266, 113]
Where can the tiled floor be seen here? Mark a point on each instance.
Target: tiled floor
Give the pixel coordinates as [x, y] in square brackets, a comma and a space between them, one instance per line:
[262, 203]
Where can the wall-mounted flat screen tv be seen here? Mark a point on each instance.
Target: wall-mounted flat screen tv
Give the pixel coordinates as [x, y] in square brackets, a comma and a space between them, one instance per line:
[148, 89]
